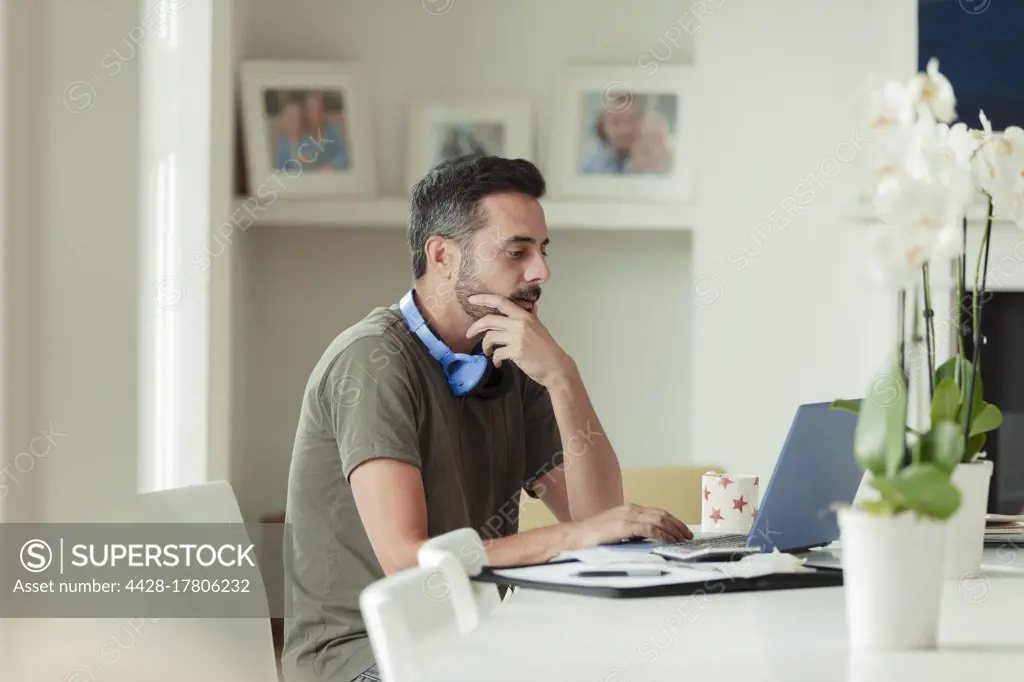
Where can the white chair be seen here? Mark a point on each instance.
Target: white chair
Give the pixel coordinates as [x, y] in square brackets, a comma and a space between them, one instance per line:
[410, 620]
[461, 554]
[244, 644]
[150, 647]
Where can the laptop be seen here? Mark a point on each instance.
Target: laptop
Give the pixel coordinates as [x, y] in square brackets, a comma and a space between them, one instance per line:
[815, 470]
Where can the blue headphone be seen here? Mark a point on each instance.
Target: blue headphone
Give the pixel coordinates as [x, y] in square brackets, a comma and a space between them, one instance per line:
[466, 374]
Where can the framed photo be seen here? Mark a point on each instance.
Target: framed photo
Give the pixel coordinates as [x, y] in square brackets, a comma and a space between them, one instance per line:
[307, 129]
[615, 134]
[445, 128]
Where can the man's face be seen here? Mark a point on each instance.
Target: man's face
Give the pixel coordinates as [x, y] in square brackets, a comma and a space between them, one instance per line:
[508, 257]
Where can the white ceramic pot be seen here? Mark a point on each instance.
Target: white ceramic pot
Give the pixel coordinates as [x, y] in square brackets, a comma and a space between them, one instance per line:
[965, 539]
[892, 577]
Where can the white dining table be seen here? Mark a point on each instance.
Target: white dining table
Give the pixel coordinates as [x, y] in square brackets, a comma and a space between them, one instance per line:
[784, 635]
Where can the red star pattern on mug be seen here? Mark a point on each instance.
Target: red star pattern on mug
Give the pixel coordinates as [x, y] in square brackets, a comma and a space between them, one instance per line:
[739, 503]
[726, 481]
[716, 515]
[707, 494]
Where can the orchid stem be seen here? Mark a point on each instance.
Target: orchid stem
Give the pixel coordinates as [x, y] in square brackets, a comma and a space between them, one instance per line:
[980, 273]
[961, 301]
[929, 330]
[903, 365]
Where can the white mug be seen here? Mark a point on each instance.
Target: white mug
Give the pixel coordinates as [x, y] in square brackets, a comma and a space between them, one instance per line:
[728, 502]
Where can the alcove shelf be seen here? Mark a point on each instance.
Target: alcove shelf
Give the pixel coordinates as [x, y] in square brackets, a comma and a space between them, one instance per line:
[393, 211]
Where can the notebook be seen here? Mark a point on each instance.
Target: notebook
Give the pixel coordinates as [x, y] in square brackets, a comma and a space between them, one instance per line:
[644, 578]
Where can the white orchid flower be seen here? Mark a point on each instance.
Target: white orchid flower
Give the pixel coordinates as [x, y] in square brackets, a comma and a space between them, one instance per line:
[998, 169]
[889, 122]
[921, 219]
[927, 152]
[889, 109]
[899, 253]
[947, 152]
[934, 91]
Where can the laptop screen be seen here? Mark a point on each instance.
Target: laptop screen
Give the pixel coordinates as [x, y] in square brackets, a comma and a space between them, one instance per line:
[815, 470]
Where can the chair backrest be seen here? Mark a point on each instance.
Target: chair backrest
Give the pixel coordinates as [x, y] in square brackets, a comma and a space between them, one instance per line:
[152, 647]
[212, 502]
[676, 489]
[461, 554]
[246, 642]
[410, 620]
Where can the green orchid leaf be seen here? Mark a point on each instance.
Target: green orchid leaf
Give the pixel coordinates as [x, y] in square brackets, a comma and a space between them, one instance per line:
[891, 497]
[988, 418]
[979, 391]
[974, 446]
[847, 405]
[879, 438]
[947, 370]
[945, 401]
[922, 488]
[923, 450]
[854, 407]
[946, 445]
[879, 507]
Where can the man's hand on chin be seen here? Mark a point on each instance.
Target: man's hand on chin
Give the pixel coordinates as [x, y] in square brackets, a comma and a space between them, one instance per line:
[515, 334]
[593, 484]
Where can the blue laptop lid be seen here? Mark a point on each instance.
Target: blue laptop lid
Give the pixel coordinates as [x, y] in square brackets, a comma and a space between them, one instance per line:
[815, 469]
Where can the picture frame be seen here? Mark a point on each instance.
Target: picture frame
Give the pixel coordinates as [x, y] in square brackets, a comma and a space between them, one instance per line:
[307, 130]
[616, 134]
[445, 127]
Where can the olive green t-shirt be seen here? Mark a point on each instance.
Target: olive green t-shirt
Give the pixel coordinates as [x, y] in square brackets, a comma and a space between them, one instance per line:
[377, 392]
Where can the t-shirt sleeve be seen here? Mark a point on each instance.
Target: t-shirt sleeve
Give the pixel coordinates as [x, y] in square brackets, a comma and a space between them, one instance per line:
[543, 441]
[370, 405]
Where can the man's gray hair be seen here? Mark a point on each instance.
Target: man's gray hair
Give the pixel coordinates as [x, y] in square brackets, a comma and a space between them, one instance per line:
[446, 202]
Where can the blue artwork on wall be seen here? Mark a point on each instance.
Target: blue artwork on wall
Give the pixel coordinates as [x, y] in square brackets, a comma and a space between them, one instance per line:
[980, 48]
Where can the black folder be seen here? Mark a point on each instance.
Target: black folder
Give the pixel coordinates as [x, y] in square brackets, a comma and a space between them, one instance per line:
[820, 577]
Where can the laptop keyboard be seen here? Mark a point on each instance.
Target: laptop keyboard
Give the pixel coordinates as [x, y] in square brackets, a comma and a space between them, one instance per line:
[724, 540]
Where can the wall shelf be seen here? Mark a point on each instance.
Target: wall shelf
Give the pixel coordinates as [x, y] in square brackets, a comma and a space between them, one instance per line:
[393, 211]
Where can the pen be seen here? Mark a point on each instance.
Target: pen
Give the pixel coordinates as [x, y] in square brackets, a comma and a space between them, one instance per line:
[630, 573]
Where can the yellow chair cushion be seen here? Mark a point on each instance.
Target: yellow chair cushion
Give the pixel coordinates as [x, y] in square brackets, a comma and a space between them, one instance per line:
[676, 489]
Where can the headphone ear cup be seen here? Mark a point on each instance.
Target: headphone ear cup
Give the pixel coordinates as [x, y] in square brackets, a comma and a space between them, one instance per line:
[465, 373]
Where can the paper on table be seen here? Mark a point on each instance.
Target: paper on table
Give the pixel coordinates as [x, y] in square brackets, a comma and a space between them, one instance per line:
[757, 565]
[563, 574]
[604, 556]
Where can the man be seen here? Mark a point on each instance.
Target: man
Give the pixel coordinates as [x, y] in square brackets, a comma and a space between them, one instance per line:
[390, 452]
[288, 146]
[325, 137]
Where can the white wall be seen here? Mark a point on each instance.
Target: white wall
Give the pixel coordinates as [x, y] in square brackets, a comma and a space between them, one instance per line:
[72, 265]
[21, 275]
[88, 219]
[797, 324]
[72, 281]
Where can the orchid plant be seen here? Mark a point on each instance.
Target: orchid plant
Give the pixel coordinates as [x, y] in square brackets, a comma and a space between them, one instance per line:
[925, 173]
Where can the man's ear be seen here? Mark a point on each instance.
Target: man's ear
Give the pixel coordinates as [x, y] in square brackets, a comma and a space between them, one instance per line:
[439, 256]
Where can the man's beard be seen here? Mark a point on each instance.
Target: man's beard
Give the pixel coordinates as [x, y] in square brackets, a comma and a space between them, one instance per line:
[467, 284]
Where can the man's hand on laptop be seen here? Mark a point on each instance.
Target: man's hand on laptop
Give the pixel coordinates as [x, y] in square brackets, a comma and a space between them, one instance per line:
[626, 521]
